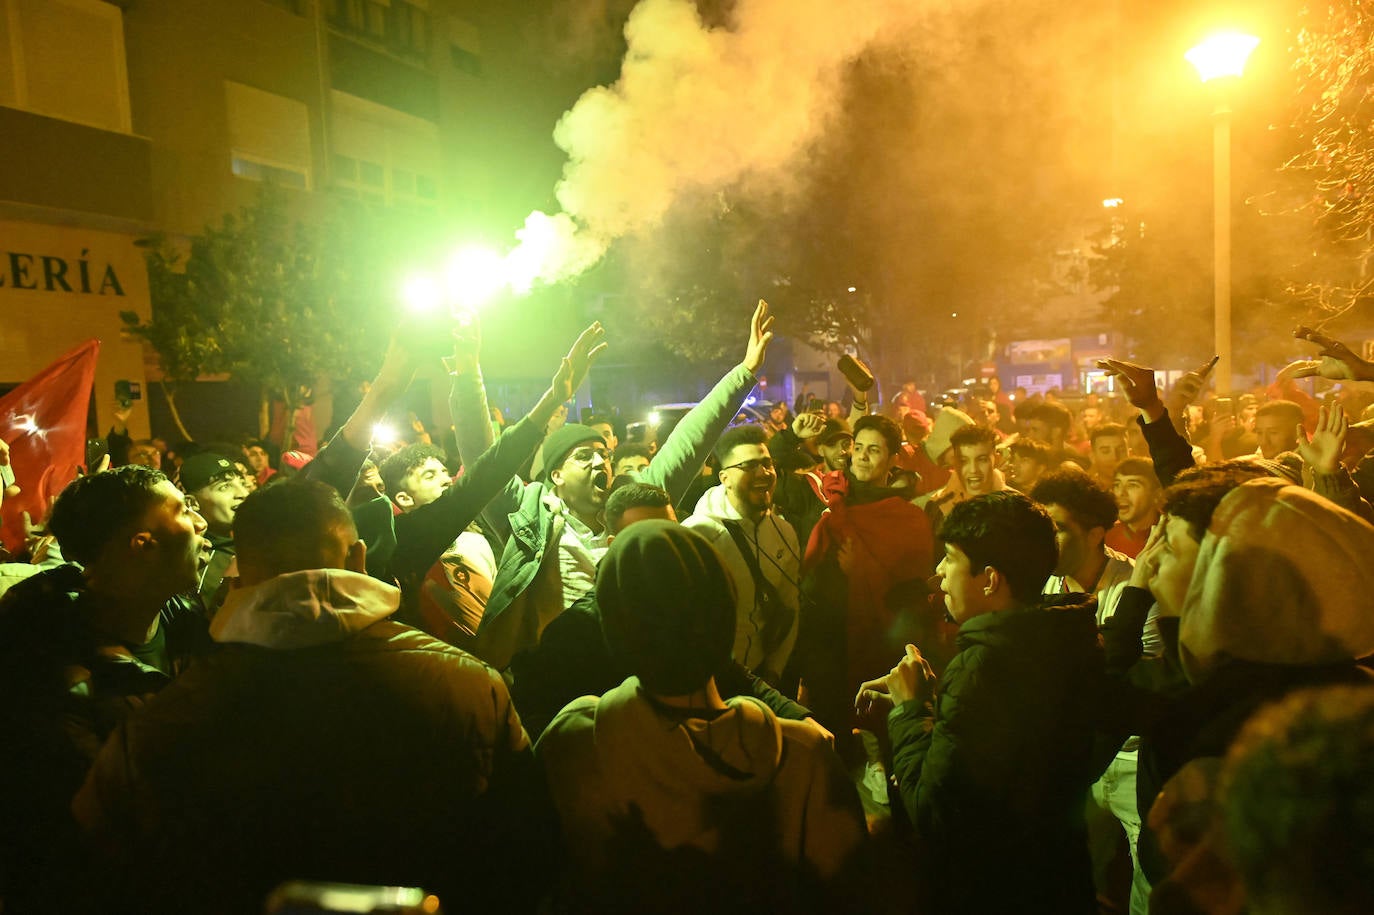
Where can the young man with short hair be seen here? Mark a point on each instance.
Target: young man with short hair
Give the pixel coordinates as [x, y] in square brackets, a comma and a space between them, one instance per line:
[319, 728]
[1108, 448]
[1137, 492]
[1028, 461]
[80, 647]
[994, 761]
[1276, 428]
[973, 453]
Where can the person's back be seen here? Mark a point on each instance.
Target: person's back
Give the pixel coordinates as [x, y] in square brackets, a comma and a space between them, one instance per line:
[670, 798]
[322, 741]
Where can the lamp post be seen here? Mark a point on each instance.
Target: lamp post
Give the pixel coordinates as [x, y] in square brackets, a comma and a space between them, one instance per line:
[1222, 58]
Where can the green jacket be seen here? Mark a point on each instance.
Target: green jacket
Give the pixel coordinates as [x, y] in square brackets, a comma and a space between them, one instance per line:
[529, 518]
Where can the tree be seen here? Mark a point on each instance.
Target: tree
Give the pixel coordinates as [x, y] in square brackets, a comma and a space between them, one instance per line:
[267, 300]
[1331, 170]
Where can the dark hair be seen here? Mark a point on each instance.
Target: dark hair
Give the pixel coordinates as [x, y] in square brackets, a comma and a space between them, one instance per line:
[1296, 798]
[97, 509]
[1198, 491]
[1009, 532]
[887, 428]
[1055, 415]
[1029, 448]
[632, 449]
[747, 434]
[404, 462]
[1137, 467]
[973, 435]
[633, 495]
[283, 525]
[1106, 430]
[1087, 501]
[1280, 406]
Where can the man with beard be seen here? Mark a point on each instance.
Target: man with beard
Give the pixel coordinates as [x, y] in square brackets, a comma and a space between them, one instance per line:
[760, 551]
[553, 529]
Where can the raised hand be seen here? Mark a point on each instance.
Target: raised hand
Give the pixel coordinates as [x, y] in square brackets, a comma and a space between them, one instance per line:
[760, 335]
[1337, 361]
[572, 371]
[807, 425]
[1322, 449]
[1139, 384]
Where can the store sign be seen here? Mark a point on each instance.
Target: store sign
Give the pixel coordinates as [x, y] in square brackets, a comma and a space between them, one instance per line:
[1028, 352]
[46, 272]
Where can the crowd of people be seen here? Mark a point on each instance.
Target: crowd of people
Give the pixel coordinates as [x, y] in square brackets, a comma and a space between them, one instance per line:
[1023, 652]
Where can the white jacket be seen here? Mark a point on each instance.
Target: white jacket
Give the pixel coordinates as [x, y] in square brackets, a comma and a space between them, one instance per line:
[762, 645]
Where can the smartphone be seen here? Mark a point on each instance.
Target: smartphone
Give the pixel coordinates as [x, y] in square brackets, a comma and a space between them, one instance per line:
[856, 373]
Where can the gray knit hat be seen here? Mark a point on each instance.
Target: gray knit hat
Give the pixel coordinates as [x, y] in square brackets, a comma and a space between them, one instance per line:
[667, 606]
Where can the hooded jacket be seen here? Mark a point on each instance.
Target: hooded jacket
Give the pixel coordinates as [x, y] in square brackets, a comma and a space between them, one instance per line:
[665, 811]
[322, 741]
[763, 637]
[994, 769]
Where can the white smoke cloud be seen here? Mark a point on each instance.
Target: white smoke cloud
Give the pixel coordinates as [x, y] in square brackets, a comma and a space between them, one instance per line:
[696, 109]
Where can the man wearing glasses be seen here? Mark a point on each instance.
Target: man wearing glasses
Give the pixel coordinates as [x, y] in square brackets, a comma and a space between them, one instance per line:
[760, 551]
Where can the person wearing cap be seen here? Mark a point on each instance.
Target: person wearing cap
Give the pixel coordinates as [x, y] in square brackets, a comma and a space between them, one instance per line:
[669, 796]
[811, 448]
[213, 484]
[553, 528]
[759, 548]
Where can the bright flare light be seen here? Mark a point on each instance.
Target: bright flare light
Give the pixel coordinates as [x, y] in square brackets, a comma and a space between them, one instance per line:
[422, 295]
[1223, 54]
[475, 275]
[383, 434]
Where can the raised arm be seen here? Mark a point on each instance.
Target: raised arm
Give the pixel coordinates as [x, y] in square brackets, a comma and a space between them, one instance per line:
[680, 458]
[424, 534]
[340, 461]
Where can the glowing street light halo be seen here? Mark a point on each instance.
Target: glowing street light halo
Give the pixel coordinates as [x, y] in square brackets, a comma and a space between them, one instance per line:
[1221, 55]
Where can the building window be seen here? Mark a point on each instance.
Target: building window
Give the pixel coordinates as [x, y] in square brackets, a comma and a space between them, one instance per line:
[269, 137]
[400, 26]
[383, 156]
[65, 59]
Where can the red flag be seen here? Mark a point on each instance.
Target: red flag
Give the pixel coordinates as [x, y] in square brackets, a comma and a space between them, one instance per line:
[44, 422]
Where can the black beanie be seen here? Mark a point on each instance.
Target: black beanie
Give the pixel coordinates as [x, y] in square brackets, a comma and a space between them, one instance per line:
[564, 439]
[667, 606]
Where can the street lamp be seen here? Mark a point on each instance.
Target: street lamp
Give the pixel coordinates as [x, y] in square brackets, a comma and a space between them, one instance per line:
[1222, 58]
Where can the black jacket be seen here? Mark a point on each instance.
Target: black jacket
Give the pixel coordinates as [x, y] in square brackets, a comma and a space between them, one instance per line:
[993, 771]
[63, 690]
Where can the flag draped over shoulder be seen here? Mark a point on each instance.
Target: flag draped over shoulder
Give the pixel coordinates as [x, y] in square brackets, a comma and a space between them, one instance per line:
[44, 422]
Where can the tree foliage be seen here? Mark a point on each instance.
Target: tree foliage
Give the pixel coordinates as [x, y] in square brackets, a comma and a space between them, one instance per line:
[267, 300]
[1331, 173]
